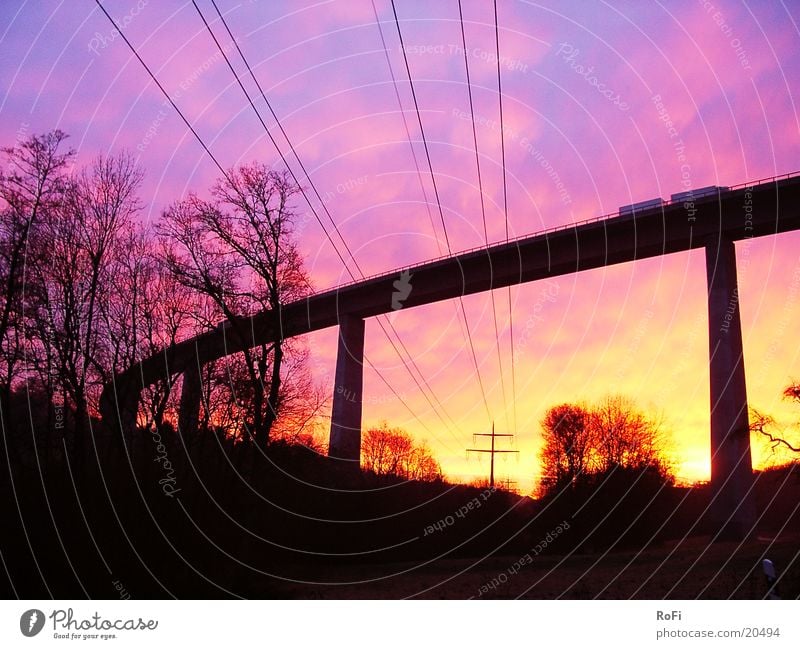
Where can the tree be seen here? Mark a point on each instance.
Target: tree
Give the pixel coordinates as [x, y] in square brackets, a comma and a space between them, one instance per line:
[30, 190]
[301, 400]
[567, 449]
[623, 436]
[582, 442]
[765, 424]
[237, 249]
[81, 239]
[392, 451]
[153, 311]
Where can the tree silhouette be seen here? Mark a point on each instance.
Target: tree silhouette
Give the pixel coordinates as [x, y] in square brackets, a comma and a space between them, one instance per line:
[80, 243]
[30, 190]
[623, 436]
[88, 291]
[153, 311]
[766, 425]
[237, 250]
[567, 451]
[581, 442]
[392, 451]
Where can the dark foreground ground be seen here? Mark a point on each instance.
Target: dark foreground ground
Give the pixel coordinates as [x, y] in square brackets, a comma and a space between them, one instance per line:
[688, 569]
[220, 521]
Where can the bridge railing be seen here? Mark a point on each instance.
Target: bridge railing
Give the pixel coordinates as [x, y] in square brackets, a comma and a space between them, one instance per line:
[556, 228]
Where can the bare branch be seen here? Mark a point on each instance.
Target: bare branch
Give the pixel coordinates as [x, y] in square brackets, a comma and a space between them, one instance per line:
[759, 424]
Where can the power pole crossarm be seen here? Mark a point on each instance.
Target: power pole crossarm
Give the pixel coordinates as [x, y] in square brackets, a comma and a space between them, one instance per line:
[493, 451]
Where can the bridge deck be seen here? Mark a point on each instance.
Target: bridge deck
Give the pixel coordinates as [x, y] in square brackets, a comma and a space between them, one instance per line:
[756, 210]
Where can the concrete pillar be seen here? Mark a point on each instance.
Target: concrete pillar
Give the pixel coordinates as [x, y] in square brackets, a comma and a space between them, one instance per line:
[119, 406]
[733, 508]
[345, 439]
[189, 411]
[128, 411]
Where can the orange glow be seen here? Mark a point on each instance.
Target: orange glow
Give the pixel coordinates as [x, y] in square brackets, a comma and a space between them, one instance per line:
[591, 338]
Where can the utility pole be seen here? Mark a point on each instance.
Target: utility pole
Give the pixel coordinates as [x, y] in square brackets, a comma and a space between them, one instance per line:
[493, 435]
[509, 484]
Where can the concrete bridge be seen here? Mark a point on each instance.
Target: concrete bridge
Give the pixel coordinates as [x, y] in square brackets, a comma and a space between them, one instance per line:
[713, 222]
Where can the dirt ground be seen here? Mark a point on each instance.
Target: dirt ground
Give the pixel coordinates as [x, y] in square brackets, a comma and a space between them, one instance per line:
[693, 568]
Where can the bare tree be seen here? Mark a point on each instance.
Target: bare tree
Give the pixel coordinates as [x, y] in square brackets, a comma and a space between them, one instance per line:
[301, 400]
[80, 240]
[766, 425]
[376, 450]
[31, 188]
[422, 465]
[392, 451]
[152, 311]
[237, 249]
[582, 441]
[567, 450]
[622, 436]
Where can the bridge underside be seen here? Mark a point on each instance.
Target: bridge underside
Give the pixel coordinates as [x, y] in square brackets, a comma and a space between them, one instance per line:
[712, 223]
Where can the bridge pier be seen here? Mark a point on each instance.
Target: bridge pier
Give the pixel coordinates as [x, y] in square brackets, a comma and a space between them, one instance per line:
[733, 507]
[128, 410]
[345, 437]
[189, 409]
[119, 407]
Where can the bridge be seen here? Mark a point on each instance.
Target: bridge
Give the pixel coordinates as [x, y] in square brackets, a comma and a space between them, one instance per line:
[712, 222]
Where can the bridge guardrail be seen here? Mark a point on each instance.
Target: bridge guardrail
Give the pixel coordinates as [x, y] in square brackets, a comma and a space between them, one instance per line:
[537, 233]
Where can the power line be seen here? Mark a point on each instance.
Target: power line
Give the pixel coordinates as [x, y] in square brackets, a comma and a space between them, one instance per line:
[225, 174]
[327, 212]
[505, 211]
[161, 88]
[316, 215]
[405, 125]
[502, 129]
[483, 205]
[438, 202]
[195, 133]
[472, 114]
[272, 139]
[424, 195]
[421, 127]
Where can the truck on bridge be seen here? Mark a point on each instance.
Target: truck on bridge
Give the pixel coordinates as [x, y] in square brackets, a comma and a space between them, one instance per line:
[690, 195]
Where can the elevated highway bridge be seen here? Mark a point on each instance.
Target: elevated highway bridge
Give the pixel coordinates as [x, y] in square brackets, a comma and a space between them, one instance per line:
[713, 222]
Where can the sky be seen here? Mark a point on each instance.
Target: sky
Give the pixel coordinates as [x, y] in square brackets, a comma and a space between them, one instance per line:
[588, 89]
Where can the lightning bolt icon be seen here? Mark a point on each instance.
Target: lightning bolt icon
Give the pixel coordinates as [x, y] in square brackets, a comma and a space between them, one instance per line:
[32, 621]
